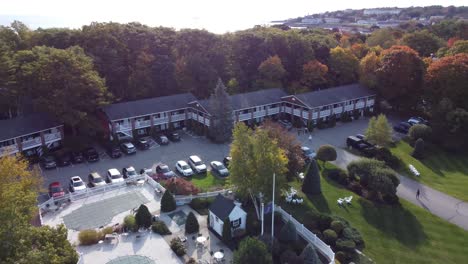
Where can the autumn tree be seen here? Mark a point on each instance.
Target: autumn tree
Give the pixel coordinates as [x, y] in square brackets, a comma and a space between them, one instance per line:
[379, 131]
[384, 38]
[343, 66]
[399, 76]
[221, 122]
[271, 72]
[423, 42]
[314, 74]
[368, 70]
[360, 50]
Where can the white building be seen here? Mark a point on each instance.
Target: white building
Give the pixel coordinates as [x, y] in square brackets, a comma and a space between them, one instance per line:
[381, 11]
[332, 20]
[223, 208]
[312, 21]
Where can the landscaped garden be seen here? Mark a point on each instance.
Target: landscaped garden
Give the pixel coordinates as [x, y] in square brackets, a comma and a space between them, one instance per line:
[392, 233]
[446, 172]
[208, 182]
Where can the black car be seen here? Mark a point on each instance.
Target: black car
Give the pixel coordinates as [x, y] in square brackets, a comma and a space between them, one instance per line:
[91, 154]
[64, 159]
[142, 144]
[48, 162]
[173, 136]
[162, 140]
[402, 127]
[114, 152]
[357, 142]
[77, 157]
[226, 161]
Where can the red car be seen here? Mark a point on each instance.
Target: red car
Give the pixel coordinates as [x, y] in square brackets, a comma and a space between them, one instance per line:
[56, 190]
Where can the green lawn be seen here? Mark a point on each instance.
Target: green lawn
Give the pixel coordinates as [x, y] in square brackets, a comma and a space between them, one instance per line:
[392, 234]
[440, 170]
[208, 182]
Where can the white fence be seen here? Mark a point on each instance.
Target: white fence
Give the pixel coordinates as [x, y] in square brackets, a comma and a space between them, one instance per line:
[308, 236]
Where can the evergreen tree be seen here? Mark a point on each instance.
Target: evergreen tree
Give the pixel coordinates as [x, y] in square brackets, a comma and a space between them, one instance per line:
[143, 217]
[311, 184]
[309, 254]
[227, 233]
[221, 114]
[418, 151]
[191, 225]
[168, 203]
[252, 250]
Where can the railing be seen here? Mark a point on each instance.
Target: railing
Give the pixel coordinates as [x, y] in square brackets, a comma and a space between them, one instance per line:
[185, 199]
[349, 107]
[272, 111]
[32, 143]
[177, 117]
[370, 102]
[338, 110]
[8, 150]
[243, 117]
[360, 104]
[161, 120]
[308, 236]
[325, 113]
[297, 112]
[142, 124]
[52, 136]
[123, 127]
[260, 113]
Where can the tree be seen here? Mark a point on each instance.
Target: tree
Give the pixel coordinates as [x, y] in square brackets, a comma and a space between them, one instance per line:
[326, 153]
[227, 232]
[379, 131]
[221, 114]
[368, 70]
[311, 184]
[242, 165]
[168, 203]
[191, 224]
[314, 74]
[309, 254]
[420, 131]
[382, 37]
[130, 223]
[60, 80]
[460, 46]
[360, 50]
[271, 72]
[252, 250]
[143, 217]
[418, 151]
[343, 66]
[288, 233]
[424, 42]
[401, 74]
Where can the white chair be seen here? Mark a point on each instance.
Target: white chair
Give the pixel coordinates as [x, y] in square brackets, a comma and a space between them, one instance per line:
[348, 199]
[340, 201]
[294, 201]
[300, 201]
[288, 199]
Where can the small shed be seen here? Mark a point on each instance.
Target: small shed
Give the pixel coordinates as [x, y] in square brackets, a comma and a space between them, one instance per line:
[222, 208]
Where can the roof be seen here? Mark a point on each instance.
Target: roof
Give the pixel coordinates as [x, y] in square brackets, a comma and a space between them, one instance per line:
[251, 99]
[222, 207]
[25, 125]
[334, 95]
[147, 106]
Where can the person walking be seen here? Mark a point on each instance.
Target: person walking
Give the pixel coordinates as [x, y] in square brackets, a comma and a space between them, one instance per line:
[417, 194]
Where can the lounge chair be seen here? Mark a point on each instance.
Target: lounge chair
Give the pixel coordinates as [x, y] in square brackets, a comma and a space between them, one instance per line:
[348, 199]
[340, 201]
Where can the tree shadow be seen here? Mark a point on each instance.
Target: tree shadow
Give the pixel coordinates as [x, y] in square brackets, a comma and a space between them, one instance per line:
[394, 221]
[320, 203]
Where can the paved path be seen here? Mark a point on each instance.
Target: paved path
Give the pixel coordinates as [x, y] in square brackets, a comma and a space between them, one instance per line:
[438, 203]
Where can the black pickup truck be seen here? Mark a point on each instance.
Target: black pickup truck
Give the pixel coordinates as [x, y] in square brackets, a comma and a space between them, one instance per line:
[360, 144]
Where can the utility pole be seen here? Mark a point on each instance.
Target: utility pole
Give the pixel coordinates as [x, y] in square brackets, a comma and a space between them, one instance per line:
[273, 211]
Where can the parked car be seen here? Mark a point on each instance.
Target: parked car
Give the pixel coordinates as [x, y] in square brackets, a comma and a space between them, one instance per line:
[128, 148]
[114, 176]
[95, 180]
[219, 169]
[64, 159]
[48, 162]
[142, 144]
[183, 168]
[286, 124]
[77, 157]
[162, 140]
[227, 160]
[129, 172]
[417, 120]
[114, 152]
[91, 154]
[402, 127]
[56, 190]
[360, 144]
[163, 171]
[197, 164]
[77, 184]
[308, 153]
[174, 136]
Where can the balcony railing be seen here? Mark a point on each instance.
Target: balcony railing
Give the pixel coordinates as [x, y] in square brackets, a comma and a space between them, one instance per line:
[261, 113]
[272, 111]
[161, 120]
[243, 117]
[123, 127]
[8, 150]
[35, 142]
[142, 124]
[52, 137]
[178, 117]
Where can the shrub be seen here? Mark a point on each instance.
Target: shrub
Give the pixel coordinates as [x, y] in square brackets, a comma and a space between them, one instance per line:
[191, 225]
[252, 224]
[106, 231]
[168, 203]
[191, 261]
[143, 217]
[324, 222]
[330, 236]
[239, 232]
[338, 175]
[364, 168]
[288, 257]
[386, 156]
[178, 247]
[346, 117]
[337, 226]
[340, 256]
[355, 187]
[130, 223]
[418, 151]
[201, 205]
[227, 232]
[159, 227]
[332, 121]
[353, 234]
[420, 131]
[288, 233]
[88, 237]
[311, 184]
[391, 199]
[252, 250]
[345, 245]
[356, 115]
[326, 153]
[179, 186]
[309, 255]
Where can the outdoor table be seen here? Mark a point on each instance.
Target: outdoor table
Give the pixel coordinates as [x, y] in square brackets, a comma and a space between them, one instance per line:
[201, 239]
[218, 255]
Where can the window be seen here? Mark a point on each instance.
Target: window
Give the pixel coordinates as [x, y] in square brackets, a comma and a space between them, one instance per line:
[236, 223]
[217, 219]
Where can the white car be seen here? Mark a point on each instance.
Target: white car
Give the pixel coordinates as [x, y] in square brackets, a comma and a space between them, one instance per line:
[77, 184]
[197, 164]
[183, 168]
[219, 168]
[114, 176]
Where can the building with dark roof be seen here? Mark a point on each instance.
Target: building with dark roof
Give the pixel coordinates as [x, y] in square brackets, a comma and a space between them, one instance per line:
[29, 133]
[222, 208]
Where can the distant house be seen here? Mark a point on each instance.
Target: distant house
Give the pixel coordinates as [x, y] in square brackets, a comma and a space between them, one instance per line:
[332, 20]
[382, 11]
[312, 21]
[223, 208]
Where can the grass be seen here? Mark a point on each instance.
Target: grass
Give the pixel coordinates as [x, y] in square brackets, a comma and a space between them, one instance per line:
[440, 170]
[208, 182]
[392, 234]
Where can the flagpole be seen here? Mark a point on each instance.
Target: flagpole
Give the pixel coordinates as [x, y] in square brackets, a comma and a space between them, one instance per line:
[262, 216]
[273, 211]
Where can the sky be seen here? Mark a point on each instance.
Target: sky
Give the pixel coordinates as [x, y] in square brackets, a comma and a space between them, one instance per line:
[218, 16]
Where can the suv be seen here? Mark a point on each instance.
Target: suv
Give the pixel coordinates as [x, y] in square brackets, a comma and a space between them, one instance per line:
[77, 184]
[114, 152]
[129, 172]
[114, 176]
[128, 148]
[183, 168]
[162, 140]
[417, 120]
[91, 154]
[402, 127]
[95, 179]
[163, 172]
[48, 162]
[142, 144]
[197, 164]
[308, 154]
[357, 142]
